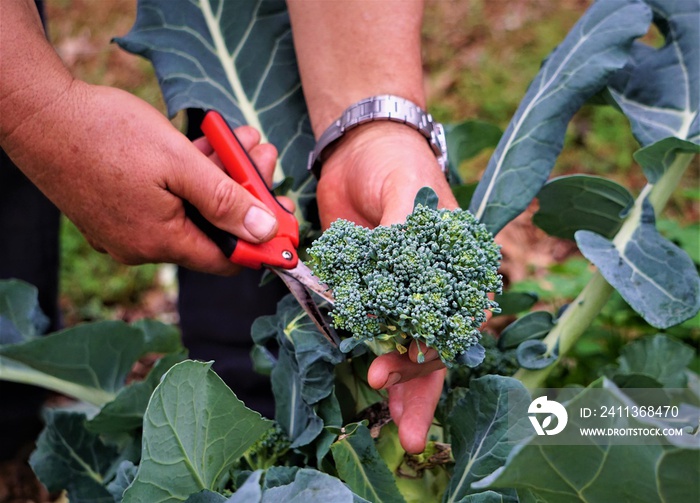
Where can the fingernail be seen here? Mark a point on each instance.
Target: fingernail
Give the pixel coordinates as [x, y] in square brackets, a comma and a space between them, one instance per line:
[393, 378]
[431, 355]
[259, 222]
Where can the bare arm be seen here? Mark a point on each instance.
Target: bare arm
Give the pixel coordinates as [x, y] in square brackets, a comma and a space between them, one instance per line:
[112, 163]
[348, 51]
[354, 49]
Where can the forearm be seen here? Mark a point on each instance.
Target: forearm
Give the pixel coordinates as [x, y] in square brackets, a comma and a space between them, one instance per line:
[351, 50]
[33, 77]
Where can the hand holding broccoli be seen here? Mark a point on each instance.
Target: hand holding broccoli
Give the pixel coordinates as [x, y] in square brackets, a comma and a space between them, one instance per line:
[427, 279]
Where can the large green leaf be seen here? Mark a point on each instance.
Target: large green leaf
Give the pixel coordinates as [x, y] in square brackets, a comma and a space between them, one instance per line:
[581, 202]
[193, 430]
[659, 89]
[360, 467]
[602, 470]
[91, 357]
[89, 361]
[656, 277]
[249, 492]
[234, 57]
[68, 457]
[575, 474]
[482, 431]
[596, 47]
[512, 303]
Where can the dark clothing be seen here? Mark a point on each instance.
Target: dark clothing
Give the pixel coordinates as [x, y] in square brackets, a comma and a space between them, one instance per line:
[28, 251]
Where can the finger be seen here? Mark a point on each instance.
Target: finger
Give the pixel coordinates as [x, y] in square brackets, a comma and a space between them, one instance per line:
[265, 159]
[220, 200]
[396, 401]
[248, 136]
[417, 347]
[287, 203]
[393, 368]
[398, 203]
[191, 248]
[264, 156]
[420, 397]
[203, 145]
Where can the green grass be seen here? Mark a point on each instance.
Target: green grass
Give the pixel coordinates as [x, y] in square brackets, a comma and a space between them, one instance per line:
[93, 285]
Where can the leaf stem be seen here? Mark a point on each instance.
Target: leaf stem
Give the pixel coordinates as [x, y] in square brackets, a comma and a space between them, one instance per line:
[582, 311]
[16, 372]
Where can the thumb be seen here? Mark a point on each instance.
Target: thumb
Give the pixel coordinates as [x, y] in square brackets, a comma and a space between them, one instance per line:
[222, 201]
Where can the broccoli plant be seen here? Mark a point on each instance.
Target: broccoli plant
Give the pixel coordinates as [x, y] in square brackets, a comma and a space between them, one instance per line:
[427, 279]
[181, 435]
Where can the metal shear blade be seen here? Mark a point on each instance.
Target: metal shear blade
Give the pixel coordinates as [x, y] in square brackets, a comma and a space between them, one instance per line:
[301, 283]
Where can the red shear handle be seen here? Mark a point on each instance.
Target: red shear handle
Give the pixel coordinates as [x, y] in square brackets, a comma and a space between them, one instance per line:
[279, 251]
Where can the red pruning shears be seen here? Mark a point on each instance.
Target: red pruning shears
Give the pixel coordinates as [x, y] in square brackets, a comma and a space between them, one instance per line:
[278, 254]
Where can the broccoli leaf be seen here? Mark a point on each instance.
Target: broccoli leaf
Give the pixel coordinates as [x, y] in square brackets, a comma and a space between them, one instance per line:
[482, 432]
[659, 89]
[193, 430]
[603, 469]
[660, 357]
[125, 412]
[68, 457]
[533, 325]
[360, 466]
[427, 197]
[311, 486]
[302, 376]
[657, 158]
[656, 277]
[21, 318]
[467, 139]
[596, 47]
[89, 361]
[581, 202]
[534, 355]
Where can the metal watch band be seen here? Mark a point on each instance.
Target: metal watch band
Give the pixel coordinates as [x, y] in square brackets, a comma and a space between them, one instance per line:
[382, 107]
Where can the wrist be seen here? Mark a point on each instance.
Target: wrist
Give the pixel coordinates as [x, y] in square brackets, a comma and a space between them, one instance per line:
[347, 155]
[383, 108]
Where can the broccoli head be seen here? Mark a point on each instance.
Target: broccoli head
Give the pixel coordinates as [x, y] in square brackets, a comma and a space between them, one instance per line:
[426, 279]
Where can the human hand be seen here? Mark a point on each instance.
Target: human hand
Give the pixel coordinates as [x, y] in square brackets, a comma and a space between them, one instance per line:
[372, 178]
[120, 171]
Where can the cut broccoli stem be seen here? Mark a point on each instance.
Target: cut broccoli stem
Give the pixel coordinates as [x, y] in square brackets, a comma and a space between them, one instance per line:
[579, 315]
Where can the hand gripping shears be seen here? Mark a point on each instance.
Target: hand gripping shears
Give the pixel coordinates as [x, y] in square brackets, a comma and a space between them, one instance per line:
[279, 254]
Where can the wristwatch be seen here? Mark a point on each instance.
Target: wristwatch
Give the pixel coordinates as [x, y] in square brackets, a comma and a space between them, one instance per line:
[377, 108]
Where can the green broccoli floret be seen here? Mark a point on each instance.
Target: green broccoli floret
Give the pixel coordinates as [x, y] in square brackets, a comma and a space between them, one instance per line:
[267, 450]
[426, 279]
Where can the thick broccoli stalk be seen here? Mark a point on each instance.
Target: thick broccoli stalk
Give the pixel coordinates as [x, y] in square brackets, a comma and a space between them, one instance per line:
[427, 279]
